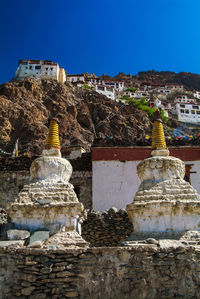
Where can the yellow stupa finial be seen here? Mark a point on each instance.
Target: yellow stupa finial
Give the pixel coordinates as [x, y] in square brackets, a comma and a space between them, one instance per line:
[53, 136]
[158, 136]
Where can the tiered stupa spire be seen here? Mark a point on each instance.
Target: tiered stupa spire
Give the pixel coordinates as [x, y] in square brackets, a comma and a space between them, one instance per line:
[53, 136]
[158, 136]
[49, 202]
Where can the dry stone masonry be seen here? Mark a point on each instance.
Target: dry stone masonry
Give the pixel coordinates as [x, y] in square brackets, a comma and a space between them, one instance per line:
[106, 228]
[163, 270]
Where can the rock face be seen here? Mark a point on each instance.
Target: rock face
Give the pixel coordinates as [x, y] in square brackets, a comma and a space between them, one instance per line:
[164, 202]
[84, 116]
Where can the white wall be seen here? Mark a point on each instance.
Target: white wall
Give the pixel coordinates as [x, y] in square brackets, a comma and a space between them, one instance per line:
[76, 78]
[106, 92]
[195, 177]
[188, 117]
[45, 71]
[114, 184]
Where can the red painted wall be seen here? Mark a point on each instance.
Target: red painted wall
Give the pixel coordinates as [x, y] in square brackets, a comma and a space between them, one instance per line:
[141, 153]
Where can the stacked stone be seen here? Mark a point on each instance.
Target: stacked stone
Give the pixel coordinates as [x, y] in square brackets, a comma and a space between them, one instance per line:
[3, 217]
[167, 269]
[3, 222]
[106, 228]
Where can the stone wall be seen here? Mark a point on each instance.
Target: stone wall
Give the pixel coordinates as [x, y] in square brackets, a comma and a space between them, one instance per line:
[106, 228]
[82, 182]
[11, 182]
[140, 271]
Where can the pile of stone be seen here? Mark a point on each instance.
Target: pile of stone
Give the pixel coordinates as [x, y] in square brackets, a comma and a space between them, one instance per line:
[3, 217]
[106, 228]
[3, 222]
[21, 238]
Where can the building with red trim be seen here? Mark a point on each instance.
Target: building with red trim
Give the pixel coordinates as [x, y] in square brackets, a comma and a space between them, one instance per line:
[115, 179]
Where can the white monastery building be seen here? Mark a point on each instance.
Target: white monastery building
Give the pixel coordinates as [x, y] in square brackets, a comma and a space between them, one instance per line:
[188, 112]
[76, 78]
[136, 94]
[40, 69]
[117, 85]
[106, 91]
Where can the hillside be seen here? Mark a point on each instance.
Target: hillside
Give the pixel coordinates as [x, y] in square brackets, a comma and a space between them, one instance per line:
[86, 116]
[189, 80]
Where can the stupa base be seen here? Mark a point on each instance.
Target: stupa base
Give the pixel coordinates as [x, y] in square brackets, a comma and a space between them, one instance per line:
[52, 216]
[164, 216]
[65, 240]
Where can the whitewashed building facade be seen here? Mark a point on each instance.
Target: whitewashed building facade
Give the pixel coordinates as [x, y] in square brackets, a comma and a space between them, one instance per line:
[107, 91]
[188, 112]
[76, 78]
[40, 69]
[115, 180]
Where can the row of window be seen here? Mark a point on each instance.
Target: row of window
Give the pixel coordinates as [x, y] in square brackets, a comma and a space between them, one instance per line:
[188, 111]
[193, 106]
[38, 67]
[108, 83]
[103, 88]
[77, 79]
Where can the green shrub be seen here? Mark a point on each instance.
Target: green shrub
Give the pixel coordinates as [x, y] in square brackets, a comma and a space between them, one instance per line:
[133, 89]
[86, 87]
[144, 105]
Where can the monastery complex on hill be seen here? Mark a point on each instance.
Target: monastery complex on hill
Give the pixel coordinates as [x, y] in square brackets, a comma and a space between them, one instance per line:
[184, 106]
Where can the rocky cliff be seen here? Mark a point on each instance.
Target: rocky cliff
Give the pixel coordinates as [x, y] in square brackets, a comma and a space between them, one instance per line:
[85, 116]
[190, 81]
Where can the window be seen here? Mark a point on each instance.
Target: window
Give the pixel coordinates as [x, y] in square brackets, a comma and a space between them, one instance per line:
[51, 69]
[46, 68]
[182, 106]
[37, 67]
[109, 89]
[187, 111]
[195, 107]
[193, 111]
[198, 112]
[182, 111]
[100, 88]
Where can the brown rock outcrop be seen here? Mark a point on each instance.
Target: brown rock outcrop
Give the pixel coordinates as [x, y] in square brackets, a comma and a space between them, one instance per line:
[84, 115]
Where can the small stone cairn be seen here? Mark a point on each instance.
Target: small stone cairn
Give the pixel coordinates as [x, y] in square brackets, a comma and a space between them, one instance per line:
[165, 204]
[49, 203]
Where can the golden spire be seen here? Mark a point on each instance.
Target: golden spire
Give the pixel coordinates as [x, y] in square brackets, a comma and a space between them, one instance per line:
[158, 137]
[53, 136]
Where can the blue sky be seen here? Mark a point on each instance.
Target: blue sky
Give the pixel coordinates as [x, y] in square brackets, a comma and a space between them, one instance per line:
[101, 36]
